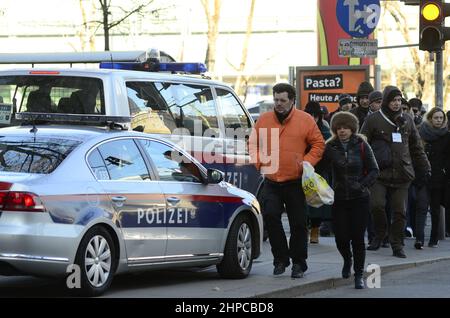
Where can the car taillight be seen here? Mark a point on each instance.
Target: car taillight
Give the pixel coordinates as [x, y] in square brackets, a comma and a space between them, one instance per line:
[20, 201]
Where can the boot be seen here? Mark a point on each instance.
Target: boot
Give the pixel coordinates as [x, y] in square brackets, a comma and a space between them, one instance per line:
[314, 237]
[346, 269]
[359, 281]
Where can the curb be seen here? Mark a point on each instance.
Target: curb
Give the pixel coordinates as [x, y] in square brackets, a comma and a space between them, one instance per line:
[331, 283]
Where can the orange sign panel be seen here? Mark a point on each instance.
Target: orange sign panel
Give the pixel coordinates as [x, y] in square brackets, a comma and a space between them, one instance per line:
[324, 84]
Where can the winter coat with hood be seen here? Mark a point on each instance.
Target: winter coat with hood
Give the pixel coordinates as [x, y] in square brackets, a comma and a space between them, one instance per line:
[437, 148]
[354, 169]
[398, 161]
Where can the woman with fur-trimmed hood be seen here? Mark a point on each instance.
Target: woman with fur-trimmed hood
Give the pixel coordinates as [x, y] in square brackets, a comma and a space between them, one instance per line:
[354, 169]
[436, 140]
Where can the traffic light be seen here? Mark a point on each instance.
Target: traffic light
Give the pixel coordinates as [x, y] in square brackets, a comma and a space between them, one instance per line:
[432, 32]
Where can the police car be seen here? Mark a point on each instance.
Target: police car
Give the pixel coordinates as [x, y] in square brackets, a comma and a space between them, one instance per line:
[203, 116]
[100, 201]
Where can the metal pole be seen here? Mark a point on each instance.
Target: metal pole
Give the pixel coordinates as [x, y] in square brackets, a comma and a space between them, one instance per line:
[439, 102]
[378, 77]
[439, 80]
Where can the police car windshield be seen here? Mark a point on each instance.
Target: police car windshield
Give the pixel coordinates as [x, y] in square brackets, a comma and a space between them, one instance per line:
[33, 154]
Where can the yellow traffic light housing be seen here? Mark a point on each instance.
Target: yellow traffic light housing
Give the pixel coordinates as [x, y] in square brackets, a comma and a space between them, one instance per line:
[432, 32]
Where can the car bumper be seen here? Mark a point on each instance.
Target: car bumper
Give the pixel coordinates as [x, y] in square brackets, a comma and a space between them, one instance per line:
[33, 244]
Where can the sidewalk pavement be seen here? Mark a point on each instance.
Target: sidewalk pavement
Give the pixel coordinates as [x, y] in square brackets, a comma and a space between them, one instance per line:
[324, 262]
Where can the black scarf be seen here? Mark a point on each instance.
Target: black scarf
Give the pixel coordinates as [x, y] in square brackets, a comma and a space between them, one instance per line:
[393, 116]
[430, 133]
[282, 117]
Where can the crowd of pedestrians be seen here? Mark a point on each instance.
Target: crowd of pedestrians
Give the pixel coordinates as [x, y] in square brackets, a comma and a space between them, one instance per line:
[382, 154]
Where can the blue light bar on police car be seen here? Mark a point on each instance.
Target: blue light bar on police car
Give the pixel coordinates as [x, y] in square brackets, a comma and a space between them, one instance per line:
[192, 68]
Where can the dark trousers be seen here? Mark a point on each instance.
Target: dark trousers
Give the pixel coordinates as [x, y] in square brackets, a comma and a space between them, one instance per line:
[290, 195]
[421, 211]
[350, 221]
[436, 197]
[398, 196]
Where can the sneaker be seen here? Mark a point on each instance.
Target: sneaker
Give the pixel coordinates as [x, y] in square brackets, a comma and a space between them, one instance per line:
[297, 271]
[385, 243]
[279, 269]
[399, 253]
[409, 232]
[418, 245]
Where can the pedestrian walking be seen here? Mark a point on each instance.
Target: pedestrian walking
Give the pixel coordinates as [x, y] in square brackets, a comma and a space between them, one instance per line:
[399, 152]
[436, 138]
[286, 134]
[323, 213]
[354, 170]
[345, 105]
[375, 99]
[362, 99]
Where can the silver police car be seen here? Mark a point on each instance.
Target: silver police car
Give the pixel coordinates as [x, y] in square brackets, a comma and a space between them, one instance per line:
[98, 201]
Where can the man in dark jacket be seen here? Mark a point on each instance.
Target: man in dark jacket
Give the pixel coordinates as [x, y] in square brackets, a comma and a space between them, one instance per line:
[362, 99]
[399, 152]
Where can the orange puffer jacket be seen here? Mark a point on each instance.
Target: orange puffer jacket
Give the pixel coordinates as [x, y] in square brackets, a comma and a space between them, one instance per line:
[282, 161]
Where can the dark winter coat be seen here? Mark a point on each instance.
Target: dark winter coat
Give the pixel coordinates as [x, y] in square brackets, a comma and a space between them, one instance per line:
[437, 149]
[354, 170]
[360, 113]
[397, 161]
[323, 212]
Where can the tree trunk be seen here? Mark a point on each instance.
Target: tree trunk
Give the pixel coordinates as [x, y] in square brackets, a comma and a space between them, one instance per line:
[239, 88]
[106, 27]
[213, 31]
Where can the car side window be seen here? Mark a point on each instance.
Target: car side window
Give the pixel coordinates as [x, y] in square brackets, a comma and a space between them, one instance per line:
[123, 160]
[234, 117]
[149, 111]
[170, 164]
[98, 166]
[192, 107]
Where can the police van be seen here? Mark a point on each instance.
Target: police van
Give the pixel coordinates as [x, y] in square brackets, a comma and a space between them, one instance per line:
[204, 116]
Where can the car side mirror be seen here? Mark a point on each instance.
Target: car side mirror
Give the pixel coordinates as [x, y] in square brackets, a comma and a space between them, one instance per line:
[139, 128]
[214, 176]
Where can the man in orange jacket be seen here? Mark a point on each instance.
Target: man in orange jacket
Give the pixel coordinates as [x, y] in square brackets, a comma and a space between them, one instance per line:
[281, 141]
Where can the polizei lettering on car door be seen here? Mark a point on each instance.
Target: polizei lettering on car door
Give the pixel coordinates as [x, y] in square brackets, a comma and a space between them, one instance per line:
[165, 216]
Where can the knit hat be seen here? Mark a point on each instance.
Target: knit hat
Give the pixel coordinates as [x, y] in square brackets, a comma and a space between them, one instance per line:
[364, 89]
[375, 96]
[313, 108]
[344, 119]
[344, 99]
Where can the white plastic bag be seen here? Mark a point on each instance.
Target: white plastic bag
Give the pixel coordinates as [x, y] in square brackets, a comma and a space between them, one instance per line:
[316, 189]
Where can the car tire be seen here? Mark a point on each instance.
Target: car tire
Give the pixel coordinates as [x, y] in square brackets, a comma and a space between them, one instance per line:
[238, 255]
[96, 257]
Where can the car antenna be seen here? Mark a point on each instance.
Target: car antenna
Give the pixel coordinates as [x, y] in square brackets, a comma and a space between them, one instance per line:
[34, 128]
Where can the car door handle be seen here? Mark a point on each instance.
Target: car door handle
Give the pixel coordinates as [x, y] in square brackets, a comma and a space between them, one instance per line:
[119, 200]
[173, 200]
